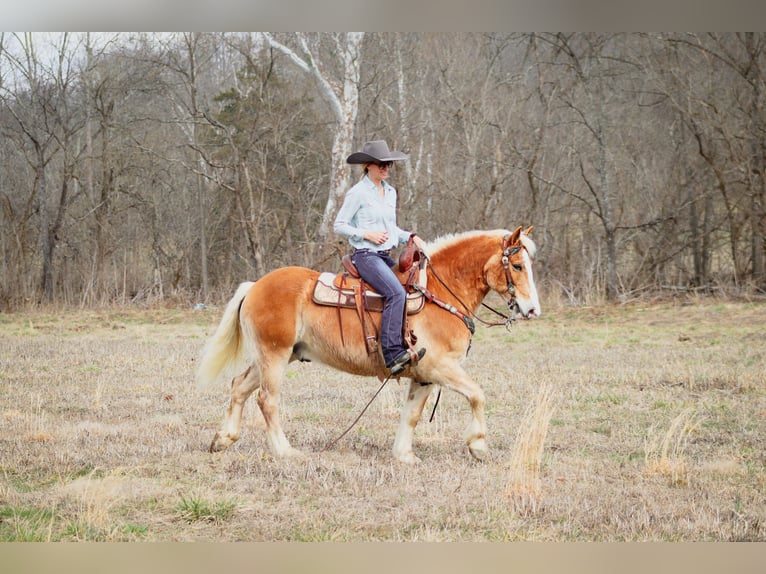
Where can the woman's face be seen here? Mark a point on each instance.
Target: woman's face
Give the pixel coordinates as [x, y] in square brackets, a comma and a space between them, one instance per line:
[379, 170]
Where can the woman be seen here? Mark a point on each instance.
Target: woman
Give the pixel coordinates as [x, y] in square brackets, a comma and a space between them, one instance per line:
[368, 218]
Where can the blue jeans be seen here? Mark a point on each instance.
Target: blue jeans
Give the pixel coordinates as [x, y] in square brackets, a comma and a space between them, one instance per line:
[375, 269]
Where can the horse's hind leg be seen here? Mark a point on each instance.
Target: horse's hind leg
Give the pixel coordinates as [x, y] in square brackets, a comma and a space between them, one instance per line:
[242, 386]
[268, 401]
[410, 415]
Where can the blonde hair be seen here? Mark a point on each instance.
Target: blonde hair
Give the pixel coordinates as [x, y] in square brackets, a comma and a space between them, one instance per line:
[365, 169]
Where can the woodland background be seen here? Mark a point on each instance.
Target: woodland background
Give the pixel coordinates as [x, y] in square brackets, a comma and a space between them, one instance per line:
[137, 168]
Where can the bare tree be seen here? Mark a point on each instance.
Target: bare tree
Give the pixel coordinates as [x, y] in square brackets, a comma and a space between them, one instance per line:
[593, 104]
[341, 90]
[190, 60]
[140, 165]
[717, 88]
[744, 54]
[36, 93]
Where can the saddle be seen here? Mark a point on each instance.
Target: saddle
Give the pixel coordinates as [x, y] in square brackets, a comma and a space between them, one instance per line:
[348, 290]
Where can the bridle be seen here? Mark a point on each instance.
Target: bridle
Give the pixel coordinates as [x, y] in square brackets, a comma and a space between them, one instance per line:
[508, 252]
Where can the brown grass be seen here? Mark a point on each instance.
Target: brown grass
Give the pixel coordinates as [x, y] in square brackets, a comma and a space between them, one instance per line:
[665, 454]
[524, 489]
[657, 434]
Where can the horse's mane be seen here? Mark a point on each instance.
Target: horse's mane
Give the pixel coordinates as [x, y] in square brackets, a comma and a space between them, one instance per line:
[529, 244]
[445, 241]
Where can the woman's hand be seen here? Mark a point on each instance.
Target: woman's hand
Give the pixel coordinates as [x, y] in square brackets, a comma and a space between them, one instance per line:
[419, 243]
[376, 237]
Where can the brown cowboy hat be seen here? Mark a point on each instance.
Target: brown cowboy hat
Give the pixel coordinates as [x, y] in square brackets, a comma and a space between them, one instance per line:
[376, 151]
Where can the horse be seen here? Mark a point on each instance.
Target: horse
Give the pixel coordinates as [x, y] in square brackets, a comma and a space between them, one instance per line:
[273, 321]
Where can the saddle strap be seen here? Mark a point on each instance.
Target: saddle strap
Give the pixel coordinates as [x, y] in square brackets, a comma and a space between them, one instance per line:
[340, 315]
[408, 334]
[370, 336]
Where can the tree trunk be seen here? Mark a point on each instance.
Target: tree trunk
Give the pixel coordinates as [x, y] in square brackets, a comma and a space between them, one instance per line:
[192, 41]
[612, 286]
[46, 249]
[340, 175]
[757, 152]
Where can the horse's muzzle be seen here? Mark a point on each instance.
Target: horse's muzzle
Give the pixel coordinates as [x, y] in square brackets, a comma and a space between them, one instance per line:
[525, 313]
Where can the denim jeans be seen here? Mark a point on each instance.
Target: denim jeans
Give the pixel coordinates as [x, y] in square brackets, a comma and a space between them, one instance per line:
[375, 269]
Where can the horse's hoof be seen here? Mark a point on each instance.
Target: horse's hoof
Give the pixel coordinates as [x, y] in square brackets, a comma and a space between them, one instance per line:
[478, 449]
[220, 443]
[408, 458]
[293, 453]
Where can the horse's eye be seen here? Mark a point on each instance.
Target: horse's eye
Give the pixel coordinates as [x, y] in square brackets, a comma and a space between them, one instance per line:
[517, 267]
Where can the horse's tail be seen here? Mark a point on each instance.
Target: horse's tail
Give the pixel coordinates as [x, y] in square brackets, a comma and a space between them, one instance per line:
[225, 348]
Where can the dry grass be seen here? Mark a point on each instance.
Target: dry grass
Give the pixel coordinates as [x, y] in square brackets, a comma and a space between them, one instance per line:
[657, 434]
[665, 455]
[524, 487]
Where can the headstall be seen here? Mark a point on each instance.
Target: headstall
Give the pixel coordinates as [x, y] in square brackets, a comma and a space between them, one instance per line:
[508, 252]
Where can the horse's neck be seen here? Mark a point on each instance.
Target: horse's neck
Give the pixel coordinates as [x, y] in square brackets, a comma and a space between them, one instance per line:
[462, 269]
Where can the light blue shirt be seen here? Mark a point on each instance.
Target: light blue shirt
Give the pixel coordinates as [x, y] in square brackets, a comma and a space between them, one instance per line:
[364, 210]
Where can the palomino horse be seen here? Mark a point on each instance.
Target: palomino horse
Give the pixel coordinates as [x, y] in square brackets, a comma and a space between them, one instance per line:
[273, 321]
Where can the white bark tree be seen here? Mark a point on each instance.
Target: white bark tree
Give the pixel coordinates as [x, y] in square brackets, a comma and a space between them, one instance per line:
[342, 93]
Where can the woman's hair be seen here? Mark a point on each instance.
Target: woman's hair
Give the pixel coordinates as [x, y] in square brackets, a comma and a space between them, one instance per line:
[365, 169]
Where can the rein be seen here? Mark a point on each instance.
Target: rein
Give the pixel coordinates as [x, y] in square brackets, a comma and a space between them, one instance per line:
[356, 420]
[469, 316]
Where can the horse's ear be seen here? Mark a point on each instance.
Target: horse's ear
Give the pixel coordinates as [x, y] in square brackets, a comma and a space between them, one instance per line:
[515, 236]
[529, 229]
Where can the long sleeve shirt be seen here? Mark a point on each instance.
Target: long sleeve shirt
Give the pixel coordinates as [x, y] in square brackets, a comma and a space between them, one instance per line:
[364, 210]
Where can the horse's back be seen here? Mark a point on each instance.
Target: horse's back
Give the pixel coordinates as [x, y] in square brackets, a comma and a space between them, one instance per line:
[275, 301]
[288, 278]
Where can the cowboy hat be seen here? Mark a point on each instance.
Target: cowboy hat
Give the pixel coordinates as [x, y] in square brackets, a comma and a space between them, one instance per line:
[375, 151]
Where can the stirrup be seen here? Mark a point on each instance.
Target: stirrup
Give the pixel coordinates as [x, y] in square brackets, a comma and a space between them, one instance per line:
[408, 357]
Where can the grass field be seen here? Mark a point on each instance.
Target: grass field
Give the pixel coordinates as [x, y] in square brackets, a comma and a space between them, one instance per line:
[605, 424]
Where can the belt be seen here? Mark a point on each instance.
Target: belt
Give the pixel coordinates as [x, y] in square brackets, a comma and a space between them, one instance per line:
[365, 250]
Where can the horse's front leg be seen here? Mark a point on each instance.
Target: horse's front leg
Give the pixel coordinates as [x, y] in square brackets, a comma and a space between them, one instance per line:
[476, 432]
[451, 375]
[410, 415]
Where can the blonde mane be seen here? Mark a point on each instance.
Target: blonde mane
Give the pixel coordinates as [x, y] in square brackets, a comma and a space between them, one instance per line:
[529, 245]
[446, 241]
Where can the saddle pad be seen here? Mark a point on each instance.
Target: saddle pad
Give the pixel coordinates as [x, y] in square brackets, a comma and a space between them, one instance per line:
[325, 293]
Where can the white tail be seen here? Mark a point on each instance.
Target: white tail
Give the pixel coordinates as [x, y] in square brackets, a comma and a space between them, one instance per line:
[225, 347]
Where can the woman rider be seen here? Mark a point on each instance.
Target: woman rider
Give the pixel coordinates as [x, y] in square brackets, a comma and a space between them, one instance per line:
[368, 219]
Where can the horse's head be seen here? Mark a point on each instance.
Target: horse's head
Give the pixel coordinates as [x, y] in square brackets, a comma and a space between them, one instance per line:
[509, 273]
